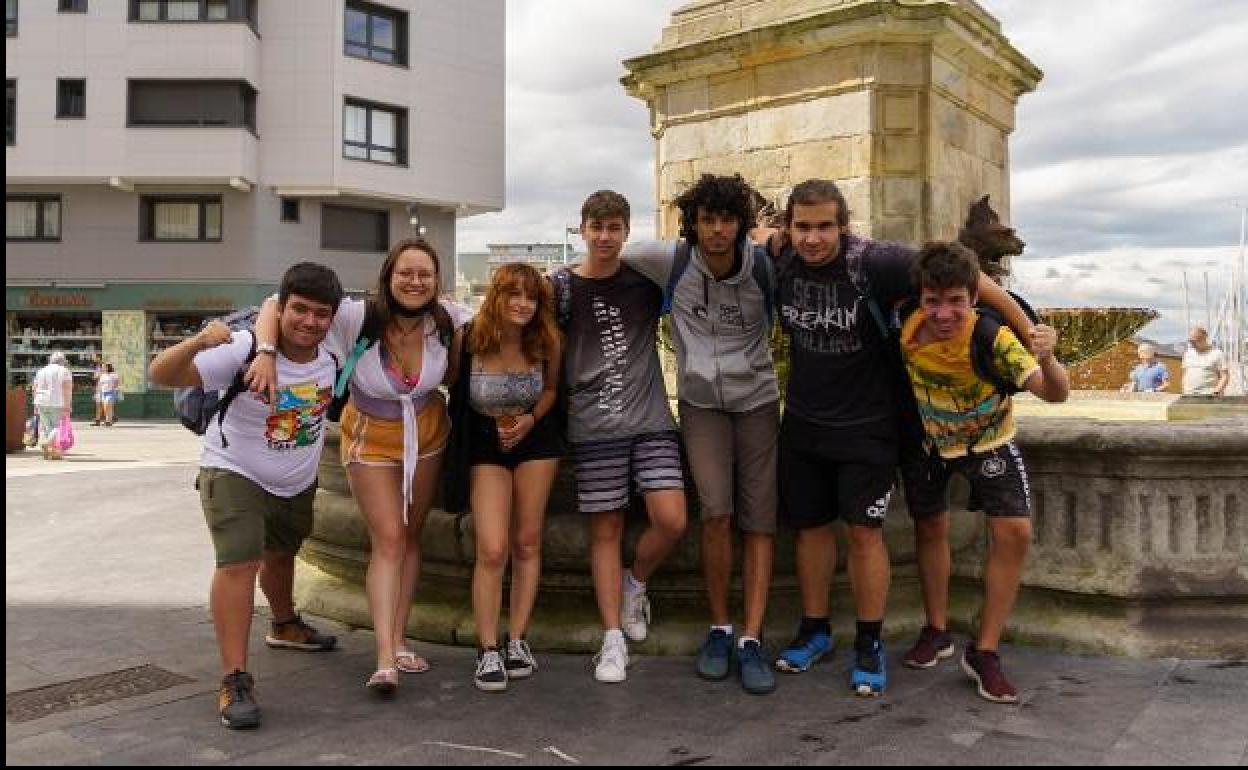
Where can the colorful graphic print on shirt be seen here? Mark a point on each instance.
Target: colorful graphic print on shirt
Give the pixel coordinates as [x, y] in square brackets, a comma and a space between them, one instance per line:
[299, 417]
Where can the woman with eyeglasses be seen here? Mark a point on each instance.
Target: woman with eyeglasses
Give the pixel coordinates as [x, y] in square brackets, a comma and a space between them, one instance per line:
[396, 348]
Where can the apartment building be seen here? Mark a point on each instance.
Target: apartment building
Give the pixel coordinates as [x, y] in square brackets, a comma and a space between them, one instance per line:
[166, 160]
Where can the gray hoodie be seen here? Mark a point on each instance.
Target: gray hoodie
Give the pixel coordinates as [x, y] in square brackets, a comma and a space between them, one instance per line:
[720, 327]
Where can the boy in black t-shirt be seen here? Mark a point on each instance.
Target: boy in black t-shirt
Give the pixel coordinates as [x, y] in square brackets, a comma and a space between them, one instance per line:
[840, 432]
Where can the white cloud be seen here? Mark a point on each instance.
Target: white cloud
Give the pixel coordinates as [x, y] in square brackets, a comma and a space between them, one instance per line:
[1117, 281]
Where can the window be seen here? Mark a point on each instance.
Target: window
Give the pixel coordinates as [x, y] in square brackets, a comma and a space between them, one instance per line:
[10, 112]
[180, 218]
[374, 132]
[351, 229]
[225, 103]
[72, 6]
[375, 32]
[194, 10]
[71, 98]
[10, 18]
[290, 209]
[32, 217]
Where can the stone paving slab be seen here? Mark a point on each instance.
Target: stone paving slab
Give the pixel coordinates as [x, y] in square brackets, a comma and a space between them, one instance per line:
[108, 568]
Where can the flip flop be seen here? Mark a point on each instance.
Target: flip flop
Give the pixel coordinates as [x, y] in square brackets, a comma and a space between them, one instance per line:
[384, 681]
[410, 663]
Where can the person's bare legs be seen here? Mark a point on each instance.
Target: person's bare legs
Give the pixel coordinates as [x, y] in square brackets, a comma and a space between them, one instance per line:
[378, 491]
[666, 510]
[816, 561]
[424, 485]
[717, 566]
[606, 537]
[531, 492]
[277, 580]
[868, 571]
[756, 579]
[491, 487]
[931, 539]
[232, 599]
[1009, 540]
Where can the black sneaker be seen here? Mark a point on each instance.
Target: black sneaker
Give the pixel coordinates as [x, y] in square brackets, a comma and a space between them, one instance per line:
[237, 701]
[491, 674]
[518, 659]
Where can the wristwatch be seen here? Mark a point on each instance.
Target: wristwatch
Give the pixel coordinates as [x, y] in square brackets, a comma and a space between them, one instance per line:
[266, 347]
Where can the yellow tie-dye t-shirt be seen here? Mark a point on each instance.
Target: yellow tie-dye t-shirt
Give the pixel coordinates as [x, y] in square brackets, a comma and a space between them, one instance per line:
[960, 411]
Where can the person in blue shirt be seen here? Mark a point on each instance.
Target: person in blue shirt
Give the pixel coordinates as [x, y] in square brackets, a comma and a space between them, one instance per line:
[1149, 375]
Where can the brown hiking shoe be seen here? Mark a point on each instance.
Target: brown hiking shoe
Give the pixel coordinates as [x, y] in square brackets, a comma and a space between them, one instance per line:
[931, 648]
[984, 669]
[294, 634]
[236, 701]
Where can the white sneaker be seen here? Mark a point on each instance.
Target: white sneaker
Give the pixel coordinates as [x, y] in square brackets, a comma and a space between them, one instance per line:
[611, 662]
[635, 615]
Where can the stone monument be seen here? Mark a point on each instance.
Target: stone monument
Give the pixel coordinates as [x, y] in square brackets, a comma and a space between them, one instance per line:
[907, 105]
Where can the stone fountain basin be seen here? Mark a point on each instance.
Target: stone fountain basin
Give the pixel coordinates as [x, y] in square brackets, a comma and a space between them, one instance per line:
[1141, 548]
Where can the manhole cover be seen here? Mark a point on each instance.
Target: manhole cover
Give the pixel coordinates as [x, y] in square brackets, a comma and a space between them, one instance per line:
[39, 702]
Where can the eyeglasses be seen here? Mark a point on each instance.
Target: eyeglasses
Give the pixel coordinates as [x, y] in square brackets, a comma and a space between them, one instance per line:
[418, 277]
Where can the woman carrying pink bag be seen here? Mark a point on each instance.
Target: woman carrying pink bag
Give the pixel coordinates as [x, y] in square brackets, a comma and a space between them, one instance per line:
[53, 387]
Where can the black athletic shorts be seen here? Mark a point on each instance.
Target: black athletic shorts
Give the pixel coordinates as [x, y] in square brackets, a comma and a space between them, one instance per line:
[818, 487]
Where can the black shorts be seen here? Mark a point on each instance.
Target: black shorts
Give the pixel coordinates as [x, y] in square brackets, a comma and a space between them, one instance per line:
[544, 442]
[817, 487]
[998, 480]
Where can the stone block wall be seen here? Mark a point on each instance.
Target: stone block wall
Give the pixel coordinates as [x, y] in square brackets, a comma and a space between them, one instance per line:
[904, 105]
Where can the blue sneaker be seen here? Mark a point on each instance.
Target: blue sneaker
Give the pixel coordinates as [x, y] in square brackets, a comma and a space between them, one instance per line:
[715, 656]
[869, 674]
[756, 676]
[804, 652]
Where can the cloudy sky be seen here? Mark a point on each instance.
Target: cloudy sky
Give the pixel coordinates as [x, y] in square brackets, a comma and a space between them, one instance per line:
[1128, 160]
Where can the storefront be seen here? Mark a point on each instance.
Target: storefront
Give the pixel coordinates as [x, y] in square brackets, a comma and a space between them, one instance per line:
[122, 324]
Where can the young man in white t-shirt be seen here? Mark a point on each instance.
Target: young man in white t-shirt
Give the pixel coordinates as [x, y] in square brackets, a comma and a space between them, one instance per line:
[258, 468]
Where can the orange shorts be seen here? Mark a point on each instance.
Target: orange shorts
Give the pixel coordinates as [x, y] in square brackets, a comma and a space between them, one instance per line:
[372, 441]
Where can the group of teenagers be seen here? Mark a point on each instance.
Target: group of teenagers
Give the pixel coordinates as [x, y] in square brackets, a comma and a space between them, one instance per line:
[899, 360]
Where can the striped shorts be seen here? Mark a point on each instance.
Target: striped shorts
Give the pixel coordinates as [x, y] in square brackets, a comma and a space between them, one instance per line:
[604, 469]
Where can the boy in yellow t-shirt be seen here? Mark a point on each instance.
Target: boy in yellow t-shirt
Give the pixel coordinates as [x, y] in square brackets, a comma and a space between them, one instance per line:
[968, 427]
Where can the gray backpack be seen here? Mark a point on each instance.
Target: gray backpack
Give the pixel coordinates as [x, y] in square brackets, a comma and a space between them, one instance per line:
[197, 407]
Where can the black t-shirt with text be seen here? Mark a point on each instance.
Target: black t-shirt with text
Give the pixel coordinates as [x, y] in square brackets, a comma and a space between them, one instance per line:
[840, 375]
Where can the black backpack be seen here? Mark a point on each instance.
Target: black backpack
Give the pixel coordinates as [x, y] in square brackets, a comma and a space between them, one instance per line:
[983, 340]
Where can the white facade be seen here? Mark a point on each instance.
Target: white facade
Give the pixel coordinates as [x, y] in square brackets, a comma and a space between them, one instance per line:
[451, 88]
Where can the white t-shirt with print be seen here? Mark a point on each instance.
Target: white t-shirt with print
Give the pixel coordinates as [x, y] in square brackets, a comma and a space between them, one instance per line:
[280, 448]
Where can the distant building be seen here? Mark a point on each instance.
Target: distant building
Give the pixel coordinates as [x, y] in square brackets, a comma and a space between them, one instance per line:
[167, 160]
[543, 256]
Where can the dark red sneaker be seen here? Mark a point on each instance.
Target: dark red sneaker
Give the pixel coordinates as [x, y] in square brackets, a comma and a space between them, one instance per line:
[984, 668]
[931, 648]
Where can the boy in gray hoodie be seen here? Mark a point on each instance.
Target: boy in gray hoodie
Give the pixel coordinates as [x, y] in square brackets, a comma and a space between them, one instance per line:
[718, 287]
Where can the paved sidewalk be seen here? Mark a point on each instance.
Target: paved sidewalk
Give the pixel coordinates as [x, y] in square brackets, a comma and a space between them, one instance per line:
[107, 567]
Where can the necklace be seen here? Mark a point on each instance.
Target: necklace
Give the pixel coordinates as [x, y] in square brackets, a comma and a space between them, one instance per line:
[399, 364]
